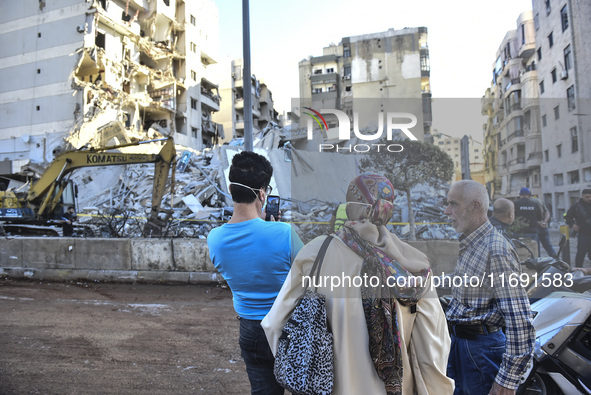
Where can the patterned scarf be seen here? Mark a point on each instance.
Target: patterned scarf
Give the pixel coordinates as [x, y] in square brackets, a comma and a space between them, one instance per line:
[379, 300]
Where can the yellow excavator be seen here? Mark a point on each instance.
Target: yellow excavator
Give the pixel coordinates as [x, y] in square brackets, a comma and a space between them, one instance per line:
[49, 197]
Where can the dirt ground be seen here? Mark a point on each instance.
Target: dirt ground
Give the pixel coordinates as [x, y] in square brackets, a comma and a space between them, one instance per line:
[98, 338]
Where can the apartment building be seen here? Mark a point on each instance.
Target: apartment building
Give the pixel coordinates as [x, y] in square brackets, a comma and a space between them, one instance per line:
[369, 75]
[105, 69]
[512, 133]
[231, 114]
[453, 147]
[563, 58]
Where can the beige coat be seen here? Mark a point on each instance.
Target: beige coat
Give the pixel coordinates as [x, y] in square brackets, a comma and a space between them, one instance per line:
[425, 337]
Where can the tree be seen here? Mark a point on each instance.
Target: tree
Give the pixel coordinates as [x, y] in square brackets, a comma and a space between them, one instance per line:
[418, 163]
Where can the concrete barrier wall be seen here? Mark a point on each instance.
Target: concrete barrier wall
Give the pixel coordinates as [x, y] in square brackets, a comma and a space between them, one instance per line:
[142, 260]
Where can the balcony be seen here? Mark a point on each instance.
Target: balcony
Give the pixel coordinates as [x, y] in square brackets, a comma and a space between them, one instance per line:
[517, 164]
[534, 160]
[516, 135]
[330, 78]
[526, 50]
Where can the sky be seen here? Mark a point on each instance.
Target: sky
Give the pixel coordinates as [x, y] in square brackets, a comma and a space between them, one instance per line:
[464, 36]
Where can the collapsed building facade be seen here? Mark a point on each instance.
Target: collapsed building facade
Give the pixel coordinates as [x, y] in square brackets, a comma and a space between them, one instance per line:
[231, 114]
[75, 72]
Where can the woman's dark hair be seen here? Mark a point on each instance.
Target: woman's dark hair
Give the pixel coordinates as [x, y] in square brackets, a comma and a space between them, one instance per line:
[252, 170]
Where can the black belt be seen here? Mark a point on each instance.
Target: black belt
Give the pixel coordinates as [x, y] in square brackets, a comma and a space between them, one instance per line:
[471, 331]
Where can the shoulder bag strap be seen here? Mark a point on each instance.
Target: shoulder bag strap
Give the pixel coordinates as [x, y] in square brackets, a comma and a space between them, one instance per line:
[315, 272]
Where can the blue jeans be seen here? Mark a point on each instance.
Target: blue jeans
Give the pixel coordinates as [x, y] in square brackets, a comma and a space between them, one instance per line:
[544, 237]
[533, 236]
[258, 358]
[583, 248]
[474, 363]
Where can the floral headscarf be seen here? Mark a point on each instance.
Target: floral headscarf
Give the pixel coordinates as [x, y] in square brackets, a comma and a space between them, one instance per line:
[372, 198]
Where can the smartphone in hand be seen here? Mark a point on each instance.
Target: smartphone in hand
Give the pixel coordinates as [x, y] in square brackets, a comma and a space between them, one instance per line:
[272, 208]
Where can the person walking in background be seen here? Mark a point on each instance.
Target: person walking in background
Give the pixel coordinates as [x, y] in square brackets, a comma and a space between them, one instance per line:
[484, 359]
[254, 257]
[537, 216]
[503, 216]
[386, 341]
[578, 217]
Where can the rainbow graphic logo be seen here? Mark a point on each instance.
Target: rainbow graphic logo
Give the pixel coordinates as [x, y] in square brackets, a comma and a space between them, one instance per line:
[323, 124]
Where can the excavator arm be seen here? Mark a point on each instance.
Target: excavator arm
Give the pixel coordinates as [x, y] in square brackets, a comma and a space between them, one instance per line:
[47, 191]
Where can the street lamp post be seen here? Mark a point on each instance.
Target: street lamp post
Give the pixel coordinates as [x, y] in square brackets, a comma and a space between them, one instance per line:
[246, 77]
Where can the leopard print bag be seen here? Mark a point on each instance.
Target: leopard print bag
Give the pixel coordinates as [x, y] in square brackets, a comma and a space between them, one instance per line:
[304, 358]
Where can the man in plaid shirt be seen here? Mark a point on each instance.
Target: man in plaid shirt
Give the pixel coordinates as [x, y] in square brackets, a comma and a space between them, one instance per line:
[483, 359]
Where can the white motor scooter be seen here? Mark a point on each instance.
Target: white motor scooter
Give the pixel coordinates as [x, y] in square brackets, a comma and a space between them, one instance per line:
[562, 353]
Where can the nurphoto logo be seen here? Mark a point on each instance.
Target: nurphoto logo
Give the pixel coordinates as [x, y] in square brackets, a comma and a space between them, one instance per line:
[392, 124]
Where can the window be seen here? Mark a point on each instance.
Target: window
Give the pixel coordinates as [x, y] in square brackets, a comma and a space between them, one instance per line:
[541, 87]
[425, 64]
[574, 140]
[329, 71]
[558, 179]
[559, 150]
[567, 58]
[318, 71]
[550, 39]
[544, 123]
[346, 52]
[539, 53]
[193, 75]
[193, 47]
[557, 112]
[317, 90]
[564, 17]
[167, 2]
[573, 177]
[347, 71]
[193, 103]
[548, 8]
[522, 34]
[194, 132]
[537, 22]
[570, 95]
[546, 156]
[553, 72]
[193, 20]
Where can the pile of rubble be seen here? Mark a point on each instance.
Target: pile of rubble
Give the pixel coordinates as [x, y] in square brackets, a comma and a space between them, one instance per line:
[118, 203]
[199, 204]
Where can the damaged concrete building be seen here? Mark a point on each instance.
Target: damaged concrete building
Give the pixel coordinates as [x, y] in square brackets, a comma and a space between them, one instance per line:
[71, 67]
[231, 114]
[390, 67]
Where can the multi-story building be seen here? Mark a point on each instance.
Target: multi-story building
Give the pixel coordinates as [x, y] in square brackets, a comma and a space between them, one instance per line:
[563, 57]
[231, 114]
[390, 67]
[512, 137]
[453, 147]
[79, 67]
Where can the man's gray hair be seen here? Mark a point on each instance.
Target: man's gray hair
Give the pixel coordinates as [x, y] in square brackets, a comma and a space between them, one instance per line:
[473, 191]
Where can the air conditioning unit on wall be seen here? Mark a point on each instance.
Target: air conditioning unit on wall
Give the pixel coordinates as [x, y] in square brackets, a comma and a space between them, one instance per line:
[563, 74]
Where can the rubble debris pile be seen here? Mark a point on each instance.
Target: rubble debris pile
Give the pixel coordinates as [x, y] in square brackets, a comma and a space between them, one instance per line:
[118, 208]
